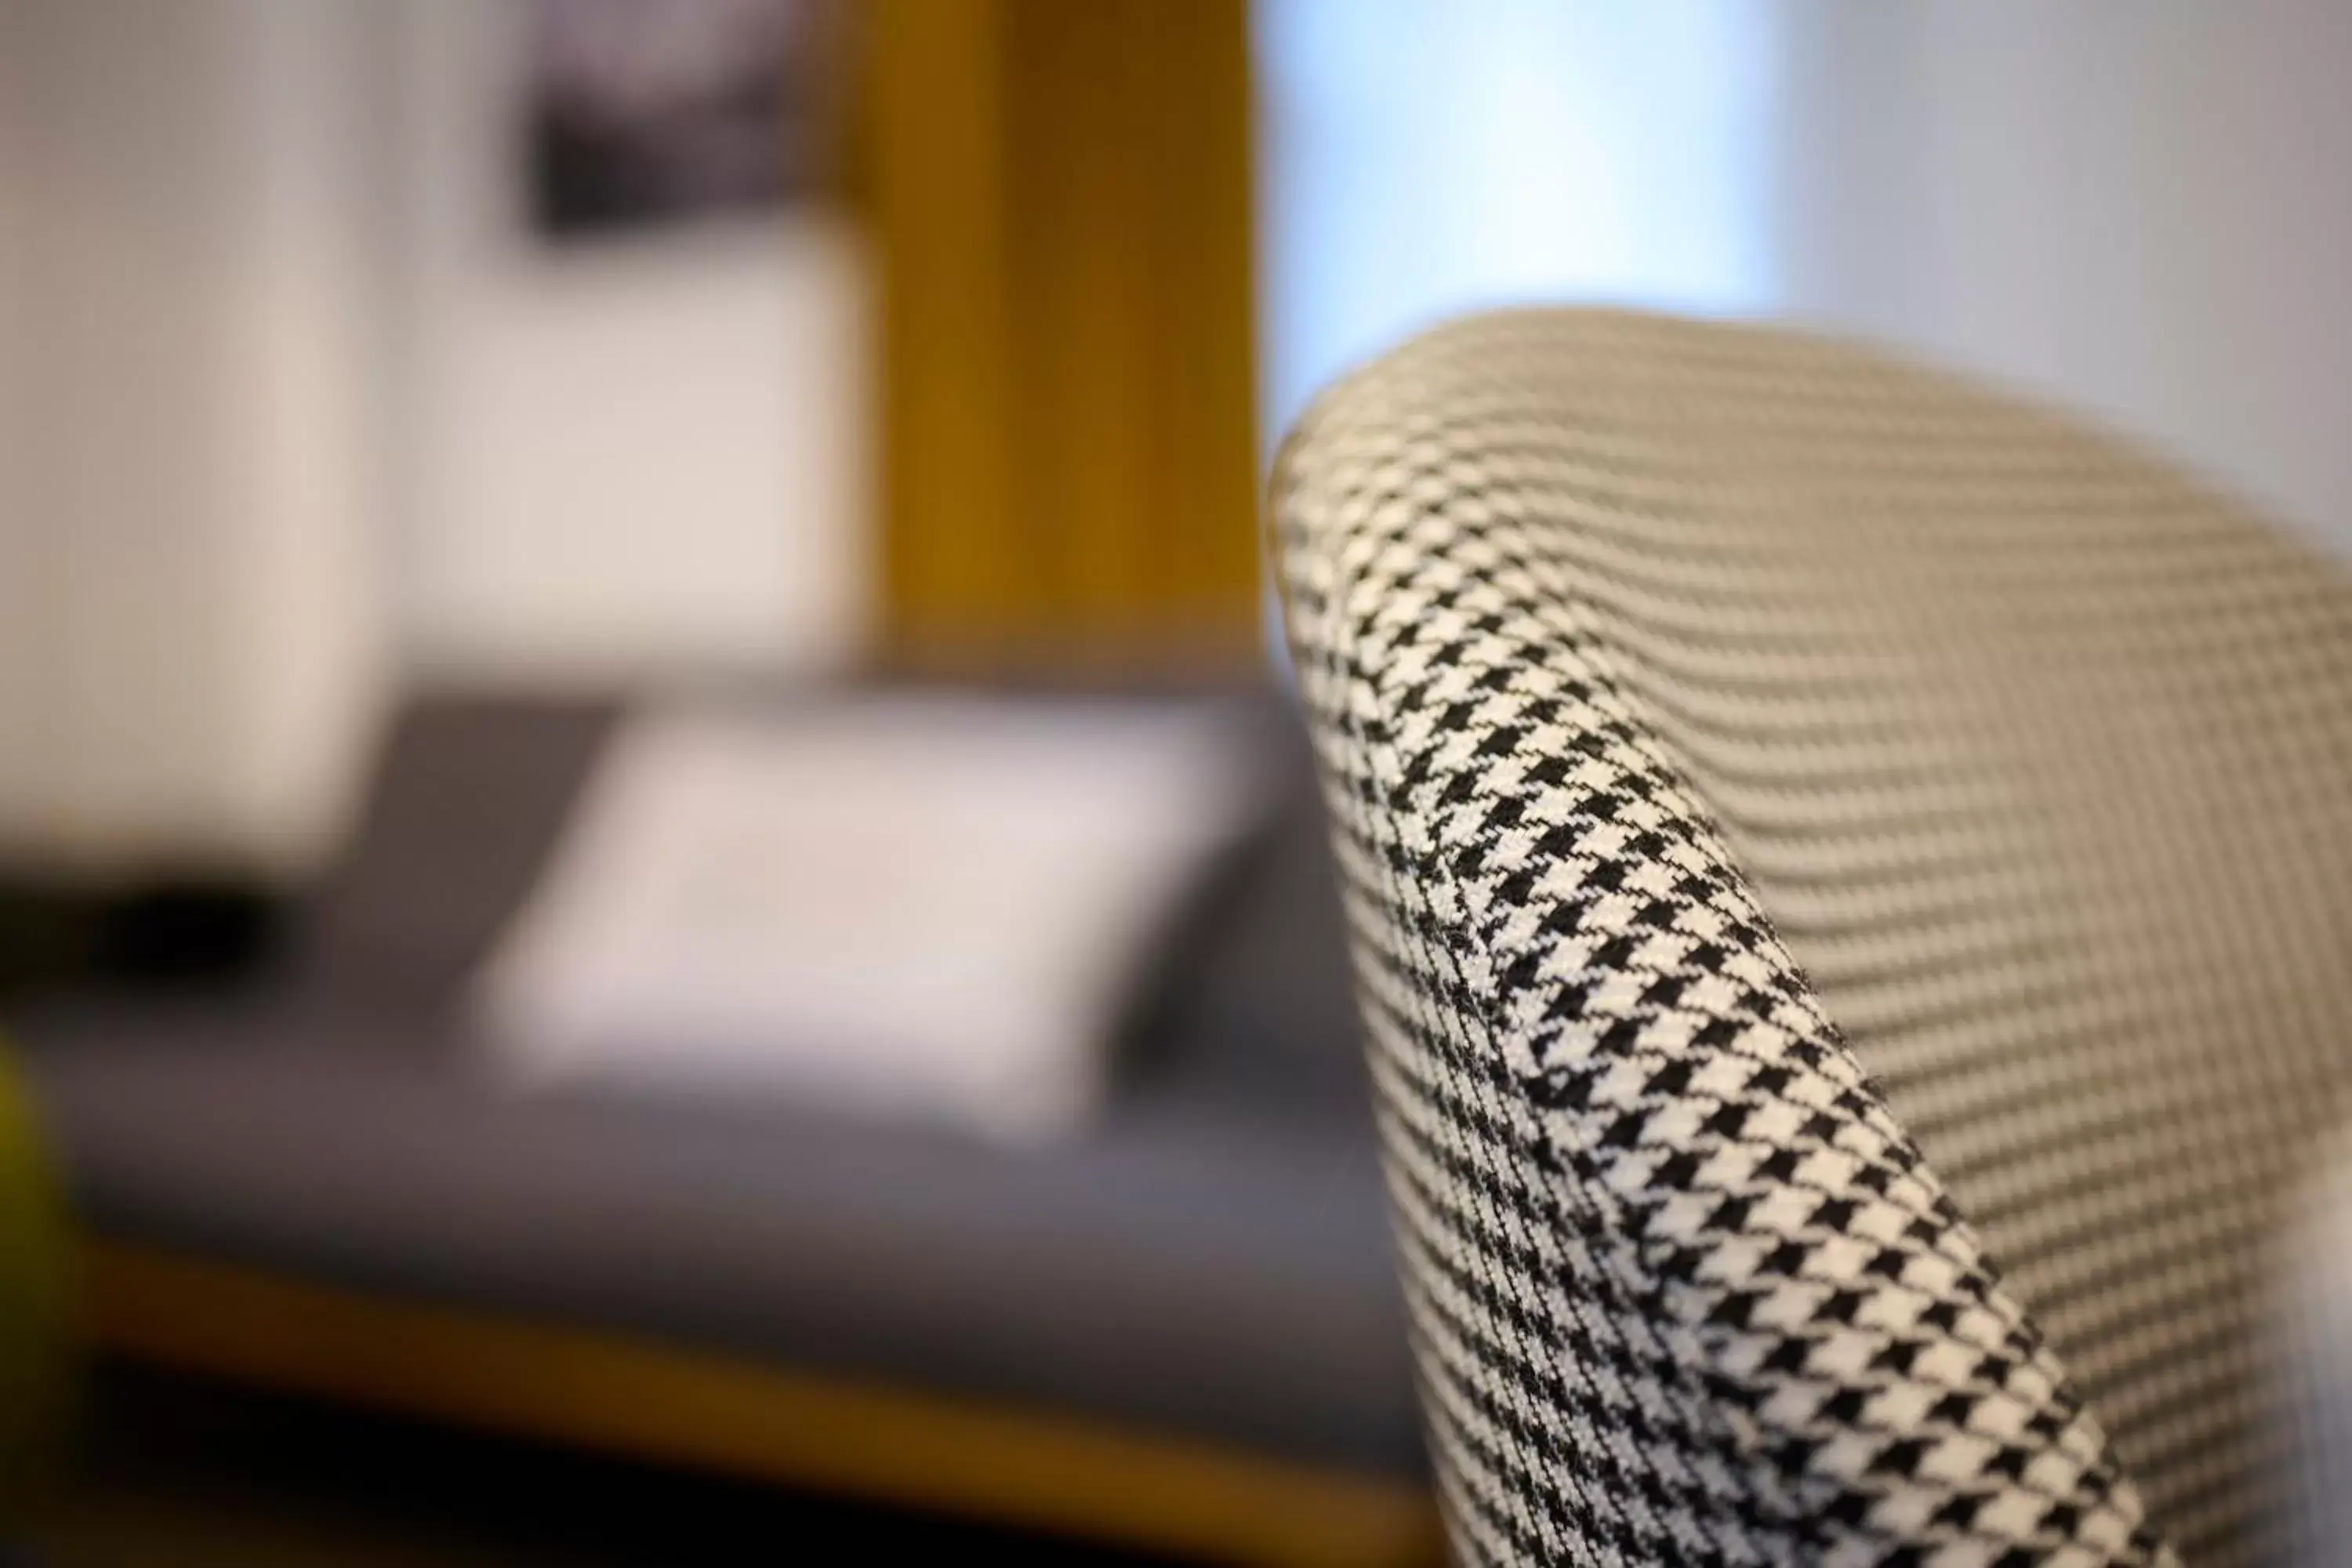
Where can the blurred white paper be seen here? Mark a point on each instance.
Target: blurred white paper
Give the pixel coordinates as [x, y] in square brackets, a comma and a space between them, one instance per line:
[923, 906]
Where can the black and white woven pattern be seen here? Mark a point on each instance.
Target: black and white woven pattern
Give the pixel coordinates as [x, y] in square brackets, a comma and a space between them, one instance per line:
[1852, 887]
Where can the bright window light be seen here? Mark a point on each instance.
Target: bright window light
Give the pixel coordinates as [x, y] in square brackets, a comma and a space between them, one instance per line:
[1420, 158]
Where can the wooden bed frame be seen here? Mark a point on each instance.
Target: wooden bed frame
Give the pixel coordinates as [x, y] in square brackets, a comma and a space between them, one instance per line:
[743, 1417]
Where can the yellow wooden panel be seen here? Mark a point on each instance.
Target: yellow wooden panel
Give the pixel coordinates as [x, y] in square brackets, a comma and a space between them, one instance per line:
[932, 155]
[1060, 194]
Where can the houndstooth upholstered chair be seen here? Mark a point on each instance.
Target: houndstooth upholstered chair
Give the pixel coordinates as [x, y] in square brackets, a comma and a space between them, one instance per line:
[1853, 888]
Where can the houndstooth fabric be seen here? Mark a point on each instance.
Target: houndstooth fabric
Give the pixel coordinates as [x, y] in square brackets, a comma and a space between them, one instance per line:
[1853, 888]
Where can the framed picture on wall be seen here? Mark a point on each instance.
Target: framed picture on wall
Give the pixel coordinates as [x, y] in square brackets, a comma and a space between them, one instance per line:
[648, 114]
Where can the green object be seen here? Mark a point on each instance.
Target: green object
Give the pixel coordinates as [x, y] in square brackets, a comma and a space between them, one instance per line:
[34, 1254]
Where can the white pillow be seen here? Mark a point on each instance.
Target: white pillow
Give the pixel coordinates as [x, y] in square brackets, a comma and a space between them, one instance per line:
[926, 906]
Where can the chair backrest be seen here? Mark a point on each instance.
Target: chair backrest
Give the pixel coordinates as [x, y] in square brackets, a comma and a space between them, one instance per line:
[1851, 881]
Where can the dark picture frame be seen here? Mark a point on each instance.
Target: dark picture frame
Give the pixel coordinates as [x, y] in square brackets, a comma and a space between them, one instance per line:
[642, 115]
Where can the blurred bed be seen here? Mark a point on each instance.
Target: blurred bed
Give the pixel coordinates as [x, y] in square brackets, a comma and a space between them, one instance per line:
[1176, 1326]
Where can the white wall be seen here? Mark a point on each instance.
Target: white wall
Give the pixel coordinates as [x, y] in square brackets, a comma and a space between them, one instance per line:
[636, 457]
[2135, 209]
[187, 623]
[25, 722]
[291, 413]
